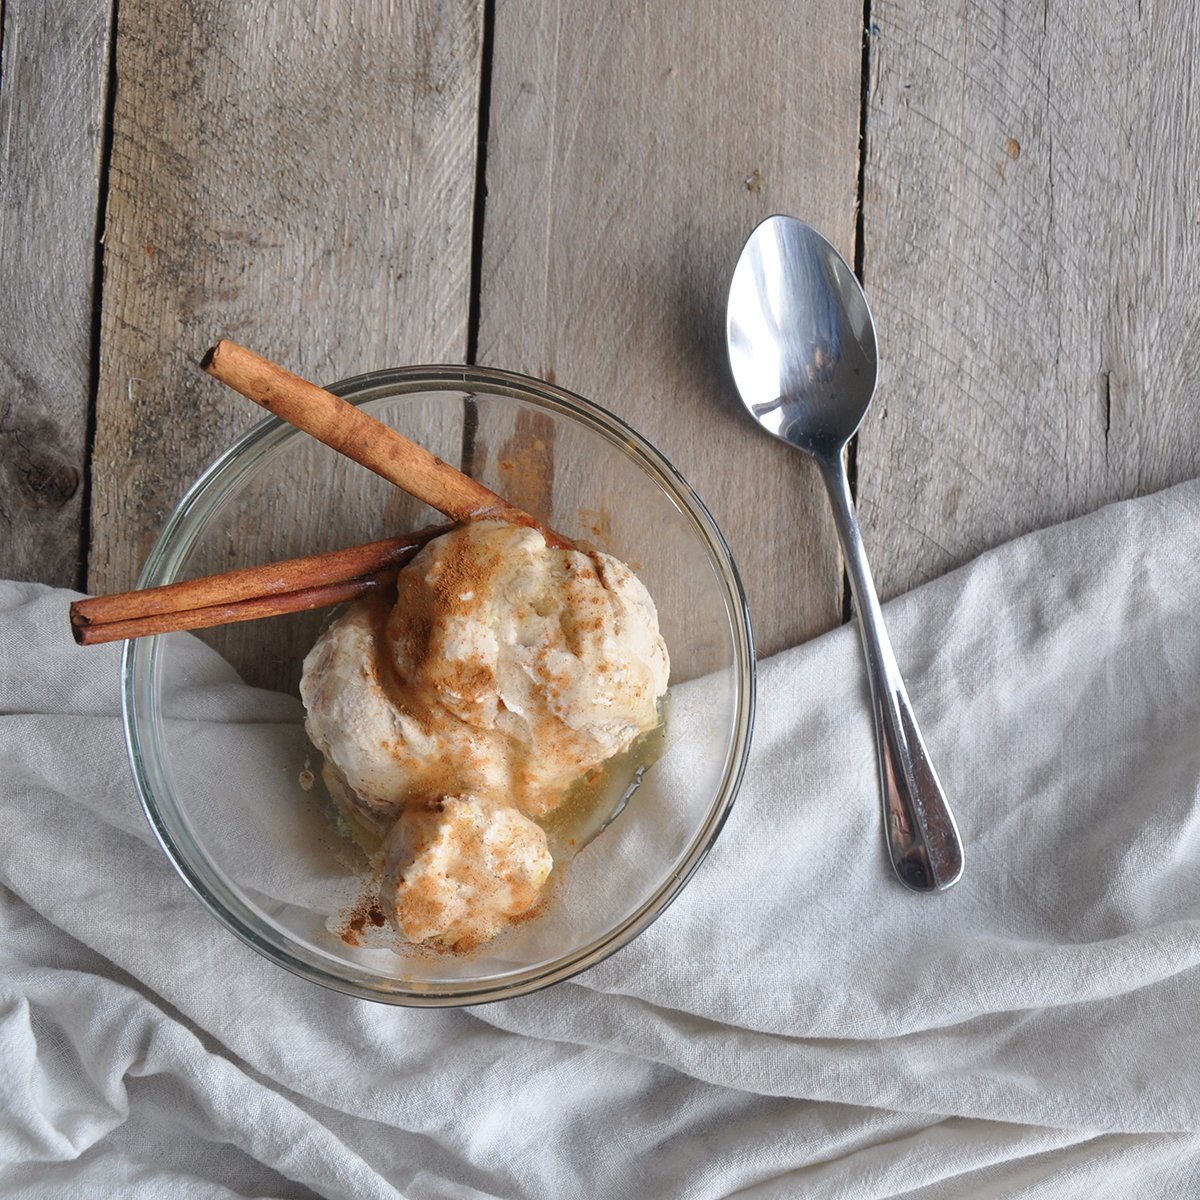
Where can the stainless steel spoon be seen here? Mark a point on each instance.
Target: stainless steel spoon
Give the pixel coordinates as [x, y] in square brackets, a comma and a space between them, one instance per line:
[803, 352]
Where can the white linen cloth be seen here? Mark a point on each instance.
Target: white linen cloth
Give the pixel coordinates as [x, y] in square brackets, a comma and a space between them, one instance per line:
[795, 1025]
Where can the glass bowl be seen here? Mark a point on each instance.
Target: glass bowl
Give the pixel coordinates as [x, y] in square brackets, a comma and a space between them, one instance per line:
[214, 725]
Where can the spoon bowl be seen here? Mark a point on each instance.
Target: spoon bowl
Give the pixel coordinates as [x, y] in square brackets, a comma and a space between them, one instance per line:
[804, 357]
[802, 343]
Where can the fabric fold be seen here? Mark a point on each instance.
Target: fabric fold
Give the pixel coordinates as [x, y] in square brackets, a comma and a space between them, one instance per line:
[795, 1024]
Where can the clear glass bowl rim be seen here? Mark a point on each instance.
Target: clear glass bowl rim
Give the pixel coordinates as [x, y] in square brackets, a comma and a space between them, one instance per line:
[140, 655]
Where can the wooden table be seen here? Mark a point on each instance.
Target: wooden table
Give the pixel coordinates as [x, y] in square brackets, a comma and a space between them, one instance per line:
[563, 189]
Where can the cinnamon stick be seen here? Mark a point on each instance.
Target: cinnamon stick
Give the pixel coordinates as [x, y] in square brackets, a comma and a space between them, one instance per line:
[359, 436]
[248, 593]
[251, 609]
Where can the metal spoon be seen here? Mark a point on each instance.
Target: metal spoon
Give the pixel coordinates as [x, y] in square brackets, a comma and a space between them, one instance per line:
[803, 352]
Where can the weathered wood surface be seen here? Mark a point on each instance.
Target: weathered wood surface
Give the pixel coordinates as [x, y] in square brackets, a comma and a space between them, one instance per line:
[631, 151]
[300, 178]
[304, 179]
[52, 87]
[1031, 253]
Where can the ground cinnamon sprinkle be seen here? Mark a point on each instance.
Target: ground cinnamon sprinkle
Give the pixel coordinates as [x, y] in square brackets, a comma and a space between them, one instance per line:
[597, 524]
[463, 575]
[459, 581]
[366, 911]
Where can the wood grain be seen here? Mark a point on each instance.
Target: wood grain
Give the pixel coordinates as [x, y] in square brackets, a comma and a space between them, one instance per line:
[52, 90]
[630, 153]
[300, 178]
[1031, 250]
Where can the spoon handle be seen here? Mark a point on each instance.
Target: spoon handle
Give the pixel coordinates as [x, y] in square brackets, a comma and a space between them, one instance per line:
[922, 836]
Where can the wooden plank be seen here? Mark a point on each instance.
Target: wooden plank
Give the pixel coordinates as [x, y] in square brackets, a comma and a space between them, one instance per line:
[52, 89]
[1031, 248]
[299, 178]
[631, 150]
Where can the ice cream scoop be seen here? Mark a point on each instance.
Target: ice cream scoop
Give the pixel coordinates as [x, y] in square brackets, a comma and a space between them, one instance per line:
[507, 669]
[460, 868]
[554, 656]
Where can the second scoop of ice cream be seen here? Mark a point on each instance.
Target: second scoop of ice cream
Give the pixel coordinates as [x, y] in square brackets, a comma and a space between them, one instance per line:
[458, 870]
